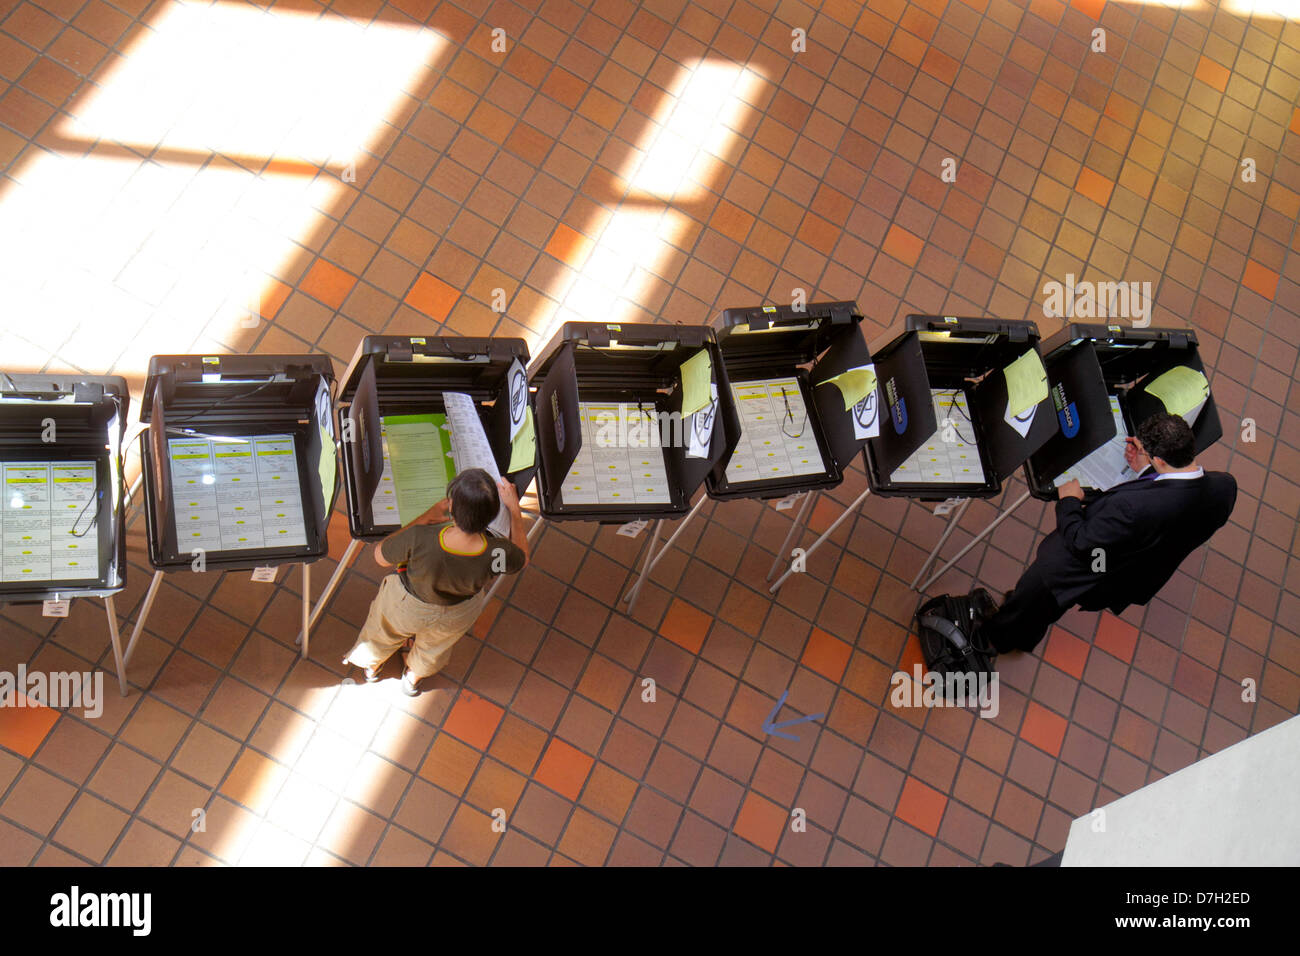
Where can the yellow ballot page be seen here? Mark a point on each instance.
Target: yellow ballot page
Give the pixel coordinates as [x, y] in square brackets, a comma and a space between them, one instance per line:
[697, 372]
[523, 447]
[1026, 383]
[854, 384]
[1181, 390]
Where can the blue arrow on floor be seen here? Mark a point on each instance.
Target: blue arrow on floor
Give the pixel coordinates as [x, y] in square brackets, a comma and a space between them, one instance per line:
[770, 726]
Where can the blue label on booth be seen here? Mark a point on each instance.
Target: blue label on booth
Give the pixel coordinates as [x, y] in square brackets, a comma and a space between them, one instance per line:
[1069, 417]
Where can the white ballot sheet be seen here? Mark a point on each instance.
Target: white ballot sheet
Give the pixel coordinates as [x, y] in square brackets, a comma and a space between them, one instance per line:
[47, 521]
[470, 447]
[619, 462]
[776, 438]
[236, 494]
[951, 461]
[1105, 467]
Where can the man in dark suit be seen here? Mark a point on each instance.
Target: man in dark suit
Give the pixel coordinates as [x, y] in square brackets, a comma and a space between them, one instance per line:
[1121, 546]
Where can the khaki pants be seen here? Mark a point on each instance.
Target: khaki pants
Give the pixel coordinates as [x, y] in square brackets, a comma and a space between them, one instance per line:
[396, 614]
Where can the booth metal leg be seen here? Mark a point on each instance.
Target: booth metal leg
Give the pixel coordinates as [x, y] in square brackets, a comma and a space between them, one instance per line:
[801, 519]
[976, 540]
[306, 607]
[532, 533]
[818, 543]
[630, 596]
[143, 615]
[344, 563]
[116, 639]
[934, 552]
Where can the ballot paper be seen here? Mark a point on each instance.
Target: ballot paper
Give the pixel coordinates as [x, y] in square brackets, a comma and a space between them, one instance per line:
[1104, 467]
[417, 467]
[48, 530]
[470, 448]
[696, 372]
[1182, 390]
[1026, 383]
[939, 461]
[620, 461]
[237, 493]
[776, 439]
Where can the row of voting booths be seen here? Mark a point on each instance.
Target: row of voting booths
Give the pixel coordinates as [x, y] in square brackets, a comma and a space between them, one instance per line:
[243, 456]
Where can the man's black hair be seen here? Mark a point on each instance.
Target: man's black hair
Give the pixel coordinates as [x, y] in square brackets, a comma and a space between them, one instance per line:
[475, 500]
[1169, 437]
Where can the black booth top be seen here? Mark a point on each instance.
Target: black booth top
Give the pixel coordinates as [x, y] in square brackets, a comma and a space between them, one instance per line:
[631, 353]
[234, 383]
[781, 334]
[96, 401]
[476, 366]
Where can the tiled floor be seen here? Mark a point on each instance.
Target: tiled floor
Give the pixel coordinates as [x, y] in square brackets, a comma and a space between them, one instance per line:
[365, 166]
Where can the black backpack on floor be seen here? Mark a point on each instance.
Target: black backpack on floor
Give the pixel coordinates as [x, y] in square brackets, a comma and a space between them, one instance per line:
[945, 626]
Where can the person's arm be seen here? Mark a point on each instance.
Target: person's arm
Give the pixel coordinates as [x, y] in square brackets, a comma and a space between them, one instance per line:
[396, 548]
[510, 498]
[1084, 530]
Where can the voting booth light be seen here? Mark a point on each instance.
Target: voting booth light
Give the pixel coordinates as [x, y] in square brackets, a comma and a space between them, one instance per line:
[61, 516]
[399, 450]
[239, 460]
[805, 394]
[966, 402]
[1105, 381]
[631, 419]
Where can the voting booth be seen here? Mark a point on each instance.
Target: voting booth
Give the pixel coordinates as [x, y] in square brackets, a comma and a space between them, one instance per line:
[239, 464]
[801, 379]
[62, 523]
[631, 419]
[412, 411]
[1104, 381]
[964, 402]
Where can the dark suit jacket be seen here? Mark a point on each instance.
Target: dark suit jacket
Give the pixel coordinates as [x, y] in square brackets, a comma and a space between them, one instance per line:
[1145, 529]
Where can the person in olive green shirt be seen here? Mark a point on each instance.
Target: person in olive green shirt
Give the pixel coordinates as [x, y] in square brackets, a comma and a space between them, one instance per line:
[441, 572]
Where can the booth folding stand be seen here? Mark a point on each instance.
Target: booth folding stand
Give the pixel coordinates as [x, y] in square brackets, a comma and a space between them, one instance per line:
[62, 517]
[239, 466]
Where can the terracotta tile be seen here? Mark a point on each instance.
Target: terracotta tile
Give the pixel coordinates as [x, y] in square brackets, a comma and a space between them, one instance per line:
[473, 719]
[329, 283]
[1211, 73]
[1117, 637]
[1094, 185]
[432, 296]
[450, 764]
[827, 655]
[569, 246]
[1260, 279]
[90, 828]
[761, 822]
[1044, 729]
[685, 625]
[587, 839]
[563, 768]
[23, 728]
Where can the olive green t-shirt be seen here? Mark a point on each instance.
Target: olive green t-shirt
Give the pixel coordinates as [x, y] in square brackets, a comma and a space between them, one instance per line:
[437, 574]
